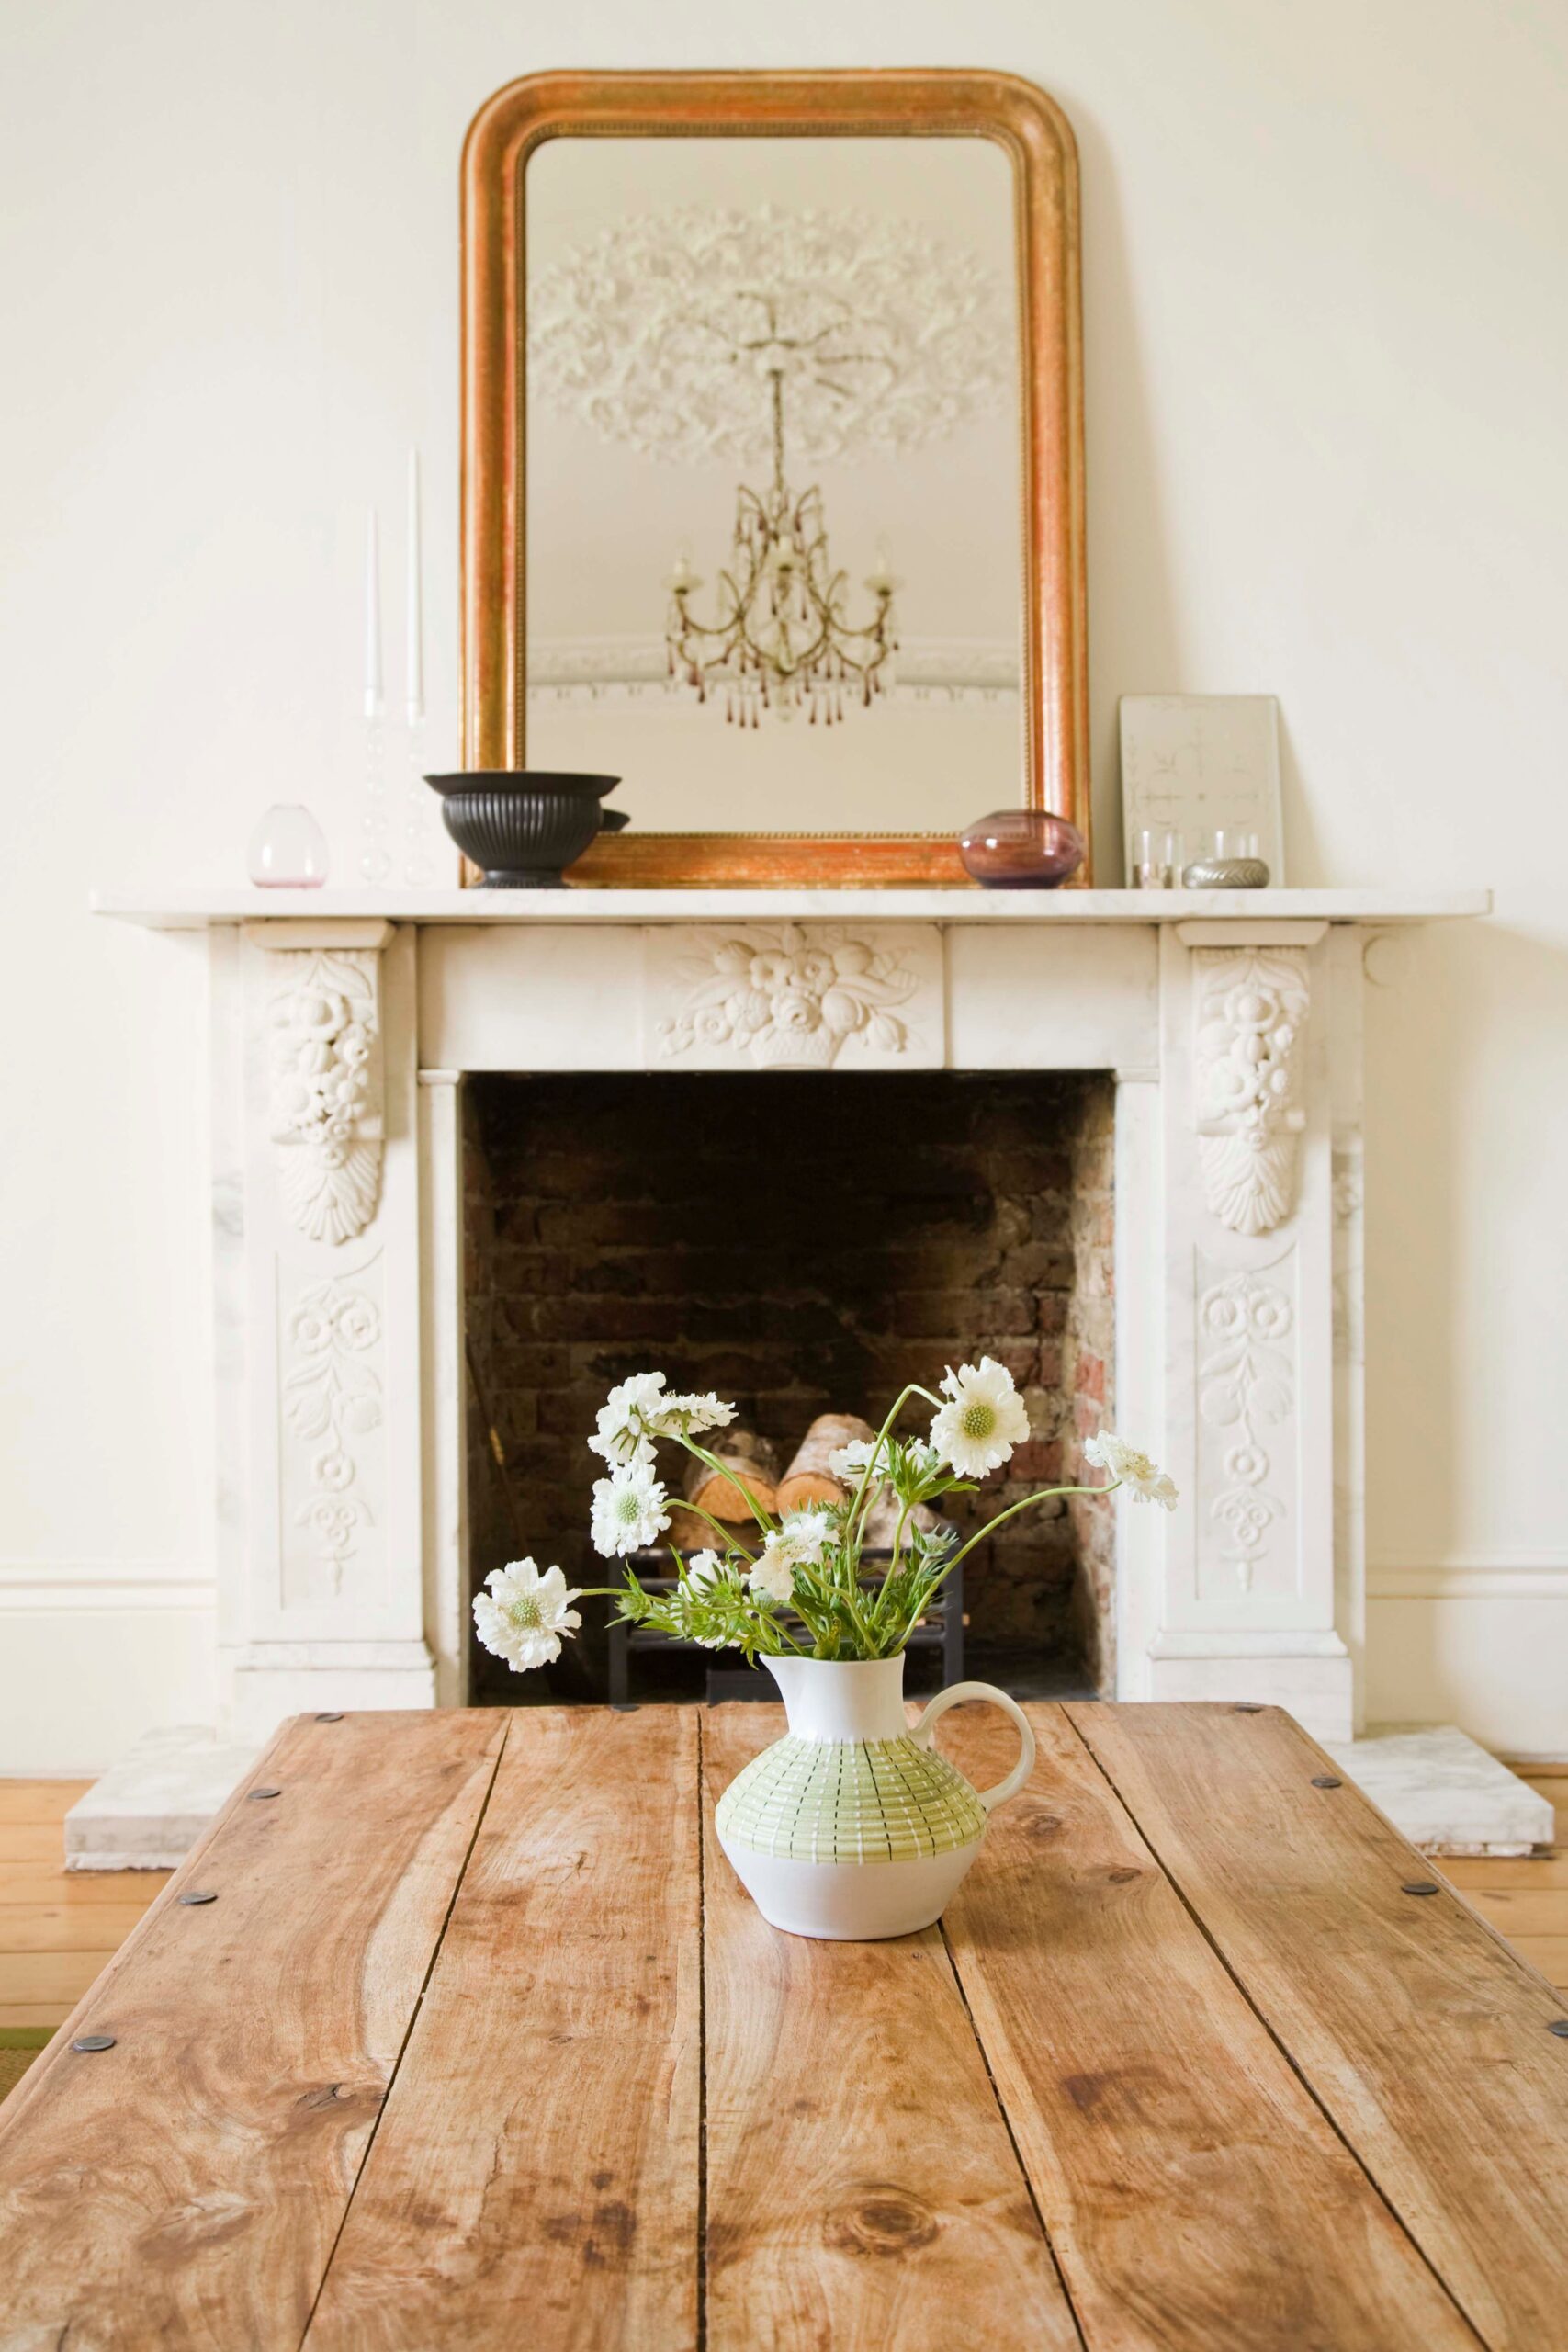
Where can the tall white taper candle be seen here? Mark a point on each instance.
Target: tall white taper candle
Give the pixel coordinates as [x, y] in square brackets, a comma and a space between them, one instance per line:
[415, 601]
[372, 618]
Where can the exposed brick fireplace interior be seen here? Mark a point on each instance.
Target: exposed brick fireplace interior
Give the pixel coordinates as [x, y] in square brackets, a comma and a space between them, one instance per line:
[801, 1243]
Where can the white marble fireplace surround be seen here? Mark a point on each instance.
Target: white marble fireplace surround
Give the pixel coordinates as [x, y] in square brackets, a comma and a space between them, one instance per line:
[1231, 1022]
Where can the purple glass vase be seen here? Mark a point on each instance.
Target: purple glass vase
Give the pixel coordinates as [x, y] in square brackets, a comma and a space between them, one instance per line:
[1021, 849]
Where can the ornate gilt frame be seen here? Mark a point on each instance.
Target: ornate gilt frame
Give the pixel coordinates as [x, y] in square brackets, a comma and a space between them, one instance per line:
[1037, 138]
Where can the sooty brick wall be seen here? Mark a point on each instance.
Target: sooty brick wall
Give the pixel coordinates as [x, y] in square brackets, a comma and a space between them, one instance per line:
[799, 1243]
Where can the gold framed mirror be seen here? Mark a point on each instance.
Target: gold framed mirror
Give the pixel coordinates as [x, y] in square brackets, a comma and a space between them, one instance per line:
[773, 468]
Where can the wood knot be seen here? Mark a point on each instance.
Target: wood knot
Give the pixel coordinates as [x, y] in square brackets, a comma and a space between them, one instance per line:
[1042, 1827]
[877, 2217]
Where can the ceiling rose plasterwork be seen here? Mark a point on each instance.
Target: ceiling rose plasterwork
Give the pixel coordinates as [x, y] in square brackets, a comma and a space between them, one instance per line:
[662, 333]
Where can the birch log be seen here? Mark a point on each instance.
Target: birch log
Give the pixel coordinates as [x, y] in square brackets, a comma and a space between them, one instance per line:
[753, 1459]
[808, 1479]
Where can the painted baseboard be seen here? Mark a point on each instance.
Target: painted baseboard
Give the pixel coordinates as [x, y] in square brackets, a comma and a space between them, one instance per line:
[1477, 1643]
[90, 1660]
[70, 1585]
[1518, 1576]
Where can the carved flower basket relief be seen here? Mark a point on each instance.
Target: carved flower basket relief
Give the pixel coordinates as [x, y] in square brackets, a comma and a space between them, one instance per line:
[790, 996]
[1251, 1008]
[325, 1120]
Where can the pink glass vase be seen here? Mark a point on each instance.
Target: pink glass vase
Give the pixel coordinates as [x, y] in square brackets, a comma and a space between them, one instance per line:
[1021, 849]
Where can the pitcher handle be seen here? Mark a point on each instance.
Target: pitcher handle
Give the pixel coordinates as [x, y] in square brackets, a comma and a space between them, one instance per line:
[955, 1693]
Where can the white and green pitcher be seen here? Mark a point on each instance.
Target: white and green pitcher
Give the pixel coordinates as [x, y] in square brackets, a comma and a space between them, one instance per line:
[851, 1827]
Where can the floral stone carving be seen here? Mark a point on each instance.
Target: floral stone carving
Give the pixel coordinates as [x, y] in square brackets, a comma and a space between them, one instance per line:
[788, 995]
[1246, 1389]
[1250, 1008]
[332, 1396]
[322, 1045]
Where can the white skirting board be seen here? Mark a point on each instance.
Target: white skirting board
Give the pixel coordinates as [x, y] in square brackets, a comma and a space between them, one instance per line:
[1446, 1793]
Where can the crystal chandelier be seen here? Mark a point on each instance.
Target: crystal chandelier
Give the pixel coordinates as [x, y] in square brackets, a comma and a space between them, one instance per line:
[783, 640]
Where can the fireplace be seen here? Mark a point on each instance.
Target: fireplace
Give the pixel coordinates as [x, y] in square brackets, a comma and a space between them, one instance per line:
[1196, 1056]
[802, 1242]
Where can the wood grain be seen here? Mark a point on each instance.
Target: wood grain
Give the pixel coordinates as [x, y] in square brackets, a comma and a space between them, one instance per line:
[1535, 1911]
[862, 2192]
[57, 1978]
[1547, 1955]
[187, 2186]
[38, 1800]
[1422, 2034]
[535, 2180]
[40, 1842]
[1195, 2197]
[27, 1882]
[1480, 1874]
[100, 1927]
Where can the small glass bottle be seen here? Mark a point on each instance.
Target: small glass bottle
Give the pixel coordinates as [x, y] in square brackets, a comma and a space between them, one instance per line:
[287, 850]
[1150, 870]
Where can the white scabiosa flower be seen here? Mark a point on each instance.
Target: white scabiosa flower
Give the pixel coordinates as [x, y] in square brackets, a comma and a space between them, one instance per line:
[852, 1460]
[983, 1419]
[774, 1574]
[627, 1420]
[689, 1416]
[524, 1614]
[805, 1534]
[628, 1510]
[703, 1570]
[1131, 1468]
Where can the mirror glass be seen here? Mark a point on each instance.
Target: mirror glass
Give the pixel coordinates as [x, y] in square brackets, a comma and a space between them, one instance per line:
[774, 537]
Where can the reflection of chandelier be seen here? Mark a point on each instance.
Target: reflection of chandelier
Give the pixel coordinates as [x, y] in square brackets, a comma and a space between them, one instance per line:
[782, 640]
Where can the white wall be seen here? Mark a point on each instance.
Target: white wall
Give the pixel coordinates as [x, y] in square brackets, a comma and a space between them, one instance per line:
[1326, 345]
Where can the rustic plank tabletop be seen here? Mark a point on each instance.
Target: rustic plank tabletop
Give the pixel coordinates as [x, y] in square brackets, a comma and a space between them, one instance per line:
[458, 2031]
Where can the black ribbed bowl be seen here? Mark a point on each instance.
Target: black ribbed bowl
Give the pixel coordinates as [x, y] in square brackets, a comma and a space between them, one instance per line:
[521, 825]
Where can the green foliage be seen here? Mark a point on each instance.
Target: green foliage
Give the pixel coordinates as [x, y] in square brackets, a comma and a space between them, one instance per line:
[838, 1606]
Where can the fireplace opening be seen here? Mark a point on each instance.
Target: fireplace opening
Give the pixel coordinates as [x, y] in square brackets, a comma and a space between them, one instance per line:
[802, 1243]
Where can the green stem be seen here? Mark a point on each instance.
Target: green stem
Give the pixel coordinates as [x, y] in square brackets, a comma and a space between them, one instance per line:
[1012, 1511]
[914, 1389]
[731, 1541]
[724, 1471]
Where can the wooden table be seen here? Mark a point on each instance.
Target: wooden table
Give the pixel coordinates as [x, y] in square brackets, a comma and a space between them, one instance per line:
[480, 2044]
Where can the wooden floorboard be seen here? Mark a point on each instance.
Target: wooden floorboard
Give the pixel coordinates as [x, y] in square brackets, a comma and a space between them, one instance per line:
[98, 1928]
[862, 2191]
[187, 2186]
[1195, 2196]
[53, 1979]
[38, 1800]
[538, 2183]
[25, 1883]
[1422, 2035]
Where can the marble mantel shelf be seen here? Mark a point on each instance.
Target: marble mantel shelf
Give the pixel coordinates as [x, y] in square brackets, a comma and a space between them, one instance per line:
[202, 910]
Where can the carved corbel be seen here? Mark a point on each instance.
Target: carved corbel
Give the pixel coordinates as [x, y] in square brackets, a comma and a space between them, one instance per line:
[1249, 1013]
[324, 1079]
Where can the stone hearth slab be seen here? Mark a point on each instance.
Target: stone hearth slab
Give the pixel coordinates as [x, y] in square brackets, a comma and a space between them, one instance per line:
[148, 1812]
[1444, 1792]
